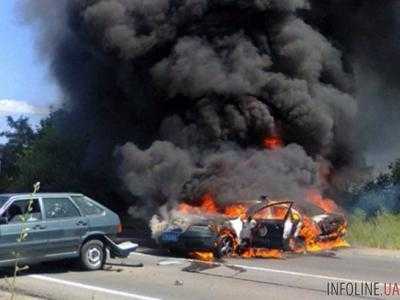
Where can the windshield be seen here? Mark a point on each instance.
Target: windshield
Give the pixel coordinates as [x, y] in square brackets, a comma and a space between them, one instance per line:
[273, 210]
[277, 212]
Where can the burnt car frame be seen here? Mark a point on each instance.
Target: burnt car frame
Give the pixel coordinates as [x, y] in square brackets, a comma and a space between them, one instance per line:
[267, 233]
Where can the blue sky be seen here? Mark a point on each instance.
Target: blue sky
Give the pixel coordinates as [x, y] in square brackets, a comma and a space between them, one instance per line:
[26, 87]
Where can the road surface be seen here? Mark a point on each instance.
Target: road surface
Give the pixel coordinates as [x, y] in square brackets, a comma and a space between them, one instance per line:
[163, 277]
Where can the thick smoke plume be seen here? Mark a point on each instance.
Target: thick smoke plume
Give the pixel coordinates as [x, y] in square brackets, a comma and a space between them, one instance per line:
[185, 91]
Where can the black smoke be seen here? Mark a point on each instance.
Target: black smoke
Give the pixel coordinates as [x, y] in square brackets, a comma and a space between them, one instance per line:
[183, 92]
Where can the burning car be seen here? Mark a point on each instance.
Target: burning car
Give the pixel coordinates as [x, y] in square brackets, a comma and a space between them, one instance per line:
[262, 229]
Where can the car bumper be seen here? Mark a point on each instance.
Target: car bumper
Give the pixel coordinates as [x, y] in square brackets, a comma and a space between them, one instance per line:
[190, 241]
[121, 250]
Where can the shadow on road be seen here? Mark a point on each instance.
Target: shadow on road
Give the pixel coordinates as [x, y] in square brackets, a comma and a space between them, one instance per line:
[55, 267]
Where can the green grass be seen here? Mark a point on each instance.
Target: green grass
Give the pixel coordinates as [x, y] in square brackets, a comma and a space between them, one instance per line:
[382, 231]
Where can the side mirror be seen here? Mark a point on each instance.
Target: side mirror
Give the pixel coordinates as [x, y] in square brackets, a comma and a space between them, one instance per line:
[3, 220]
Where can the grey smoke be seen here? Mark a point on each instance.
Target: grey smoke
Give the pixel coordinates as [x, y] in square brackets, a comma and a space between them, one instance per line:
[156, 174]
[307, 54]
[185, 91]
[243, 175]
[230, 66]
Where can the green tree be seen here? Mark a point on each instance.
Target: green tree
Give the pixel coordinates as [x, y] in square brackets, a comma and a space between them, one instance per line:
[395, 171]
[55, 157]
[19, 138]
[380, 194]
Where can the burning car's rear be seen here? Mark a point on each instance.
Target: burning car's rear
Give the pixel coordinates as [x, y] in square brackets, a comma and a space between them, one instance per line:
[196, 237]
[331, 225]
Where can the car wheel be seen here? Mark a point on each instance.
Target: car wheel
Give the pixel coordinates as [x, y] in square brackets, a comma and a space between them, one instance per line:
[93, 255]
[225, 246]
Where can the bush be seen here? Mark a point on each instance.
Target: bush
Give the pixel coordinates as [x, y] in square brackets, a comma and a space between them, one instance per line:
[382, 231]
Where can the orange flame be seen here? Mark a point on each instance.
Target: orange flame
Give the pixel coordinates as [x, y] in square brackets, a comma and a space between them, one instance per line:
[262, 253]
[202, 255]
[207, 206]
[274, 212]
[235, 211]
[309, 232]
[273, 142]
[187, 209]
[328, 245]
[326, 204]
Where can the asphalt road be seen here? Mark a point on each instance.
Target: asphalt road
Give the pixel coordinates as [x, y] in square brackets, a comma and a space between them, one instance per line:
[163, 277]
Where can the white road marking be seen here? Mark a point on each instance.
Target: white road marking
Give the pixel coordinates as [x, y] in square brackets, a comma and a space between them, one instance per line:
[300, 274]
[93, 288]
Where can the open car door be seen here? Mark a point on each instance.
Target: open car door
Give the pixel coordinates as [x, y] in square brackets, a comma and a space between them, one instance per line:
[275, 225]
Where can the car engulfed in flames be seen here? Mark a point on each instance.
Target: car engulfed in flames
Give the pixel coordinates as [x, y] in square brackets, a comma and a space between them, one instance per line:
[264, 229]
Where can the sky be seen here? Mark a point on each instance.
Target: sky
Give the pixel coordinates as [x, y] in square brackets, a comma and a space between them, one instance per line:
[26, 87]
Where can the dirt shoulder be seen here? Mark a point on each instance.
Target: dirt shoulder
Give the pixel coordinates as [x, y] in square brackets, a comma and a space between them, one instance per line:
[371, 252]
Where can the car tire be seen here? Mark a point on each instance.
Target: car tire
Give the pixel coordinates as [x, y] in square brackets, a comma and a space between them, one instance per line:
[93, 255]
[225, 247]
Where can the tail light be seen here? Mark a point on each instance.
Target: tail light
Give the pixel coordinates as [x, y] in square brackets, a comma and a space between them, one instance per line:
[119, 228]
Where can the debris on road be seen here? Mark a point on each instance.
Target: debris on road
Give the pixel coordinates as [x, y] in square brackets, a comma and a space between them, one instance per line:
[124, 264]
[178, 282]
[169, 262]
[199, 266]
[112, 269]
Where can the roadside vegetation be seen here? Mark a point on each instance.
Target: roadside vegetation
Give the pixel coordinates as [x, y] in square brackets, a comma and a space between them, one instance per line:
[23, 235]
[375, 218]
[381, 231]
[46, 152]
[57, 154]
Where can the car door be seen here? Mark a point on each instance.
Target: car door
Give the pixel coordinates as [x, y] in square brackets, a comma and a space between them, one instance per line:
[33, 245]
[66, 226]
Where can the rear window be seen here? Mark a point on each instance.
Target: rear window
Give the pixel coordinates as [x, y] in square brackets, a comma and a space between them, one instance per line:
[87, 206]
